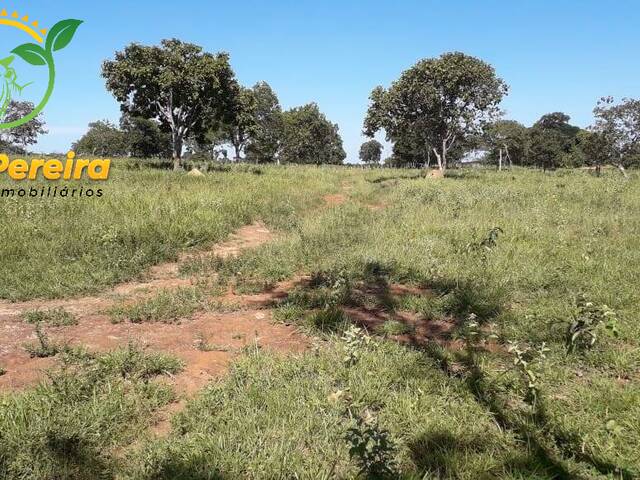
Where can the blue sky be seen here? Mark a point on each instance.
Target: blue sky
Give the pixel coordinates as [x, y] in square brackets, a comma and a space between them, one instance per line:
[555, 55]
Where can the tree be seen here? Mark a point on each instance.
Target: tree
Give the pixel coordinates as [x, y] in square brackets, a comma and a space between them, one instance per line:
[176, 83]
[507, 141]
[102, 139]
[144, 137]
[595, 149]
[237, 125]
[552, 140]
[619, 127]
[308, 137]
[371, 152]
[437, 102]
[267, 129]
[26, 134]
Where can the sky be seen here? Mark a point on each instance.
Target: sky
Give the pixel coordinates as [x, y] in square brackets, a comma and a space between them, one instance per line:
[555, 55]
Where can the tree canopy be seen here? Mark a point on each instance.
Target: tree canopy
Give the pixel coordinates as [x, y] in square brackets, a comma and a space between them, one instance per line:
[103, 139]
[619, 128]
[552, 140]
[437, 103]
[507, 141]
[176, 83]
[371, 152]
[266, 133]
[144, 137]
[308, 137]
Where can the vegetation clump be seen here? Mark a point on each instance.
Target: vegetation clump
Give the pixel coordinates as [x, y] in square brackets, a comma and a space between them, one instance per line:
[54, 317]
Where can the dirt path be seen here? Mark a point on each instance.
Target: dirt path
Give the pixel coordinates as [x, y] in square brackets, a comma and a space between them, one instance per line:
[225, 332]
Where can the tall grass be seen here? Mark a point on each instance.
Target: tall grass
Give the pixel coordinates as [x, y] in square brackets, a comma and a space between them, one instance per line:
[55, 247]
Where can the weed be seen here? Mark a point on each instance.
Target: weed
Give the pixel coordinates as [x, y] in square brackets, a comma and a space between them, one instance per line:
[371, 446]
[203, 345]
[355, 339]
[54, 317]
[327, 320]
[588, 316]
[44, 347]
[289, 313]
[486, 245]
[523, 360]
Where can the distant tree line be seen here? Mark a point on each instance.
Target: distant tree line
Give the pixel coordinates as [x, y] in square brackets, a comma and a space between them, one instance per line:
[552, 142]
[176, 98]
[442, 108]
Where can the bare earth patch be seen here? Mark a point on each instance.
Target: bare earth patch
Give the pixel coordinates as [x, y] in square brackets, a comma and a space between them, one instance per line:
[225, 333]
[334, 199]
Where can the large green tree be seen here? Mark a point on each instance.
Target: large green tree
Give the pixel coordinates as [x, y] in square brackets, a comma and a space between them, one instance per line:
[308, 137]
[437, 103]
[552, 140]
[176, 83]
[237, 125]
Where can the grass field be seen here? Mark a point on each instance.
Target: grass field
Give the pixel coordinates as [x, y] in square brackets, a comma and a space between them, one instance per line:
[503, 262]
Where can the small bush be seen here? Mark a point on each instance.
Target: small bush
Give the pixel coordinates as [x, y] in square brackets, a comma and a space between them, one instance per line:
[582, 332]
[133, 362]
[371, 447]
[289, 313]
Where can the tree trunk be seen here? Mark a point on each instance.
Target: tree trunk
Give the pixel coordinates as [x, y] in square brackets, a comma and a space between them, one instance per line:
[506, 151]
[176, 150]
[622, 170]
[236, 148]
[500, 160]
[443, 165]
[438, 158]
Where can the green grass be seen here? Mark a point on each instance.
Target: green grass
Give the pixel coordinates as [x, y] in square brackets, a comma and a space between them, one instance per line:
[166, 306]
[449, 414]
[76, 424]
[287, 419]
[69, 246]
[564, 234]
[54, 317]
[394, 327]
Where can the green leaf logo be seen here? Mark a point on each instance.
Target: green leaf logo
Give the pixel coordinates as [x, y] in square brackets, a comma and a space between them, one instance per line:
[61, 34]
[31, 53]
